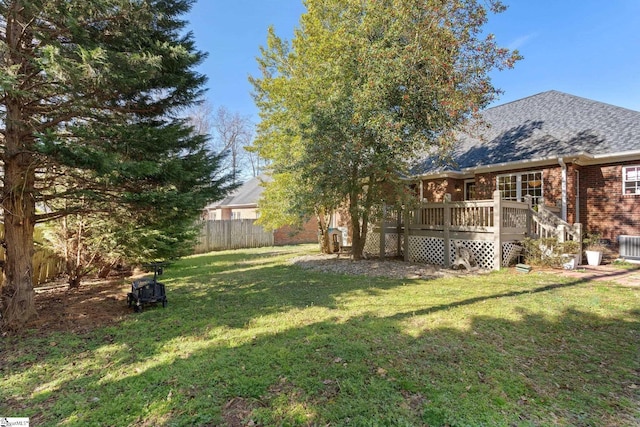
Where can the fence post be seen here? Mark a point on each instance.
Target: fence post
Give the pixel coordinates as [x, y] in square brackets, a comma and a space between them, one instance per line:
[445, 230]
[497, 230]
[207, 240]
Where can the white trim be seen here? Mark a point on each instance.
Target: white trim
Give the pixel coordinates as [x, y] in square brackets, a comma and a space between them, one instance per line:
[637, 180]
[518, 175]
[577, 214]
[580, 158]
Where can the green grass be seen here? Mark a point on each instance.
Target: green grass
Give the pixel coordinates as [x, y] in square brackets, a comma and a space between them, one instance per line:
[248, 336]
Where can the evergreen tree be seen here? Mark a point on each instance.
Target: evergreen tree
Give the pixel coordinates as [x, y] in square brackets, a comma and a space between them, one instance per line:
[90, 104]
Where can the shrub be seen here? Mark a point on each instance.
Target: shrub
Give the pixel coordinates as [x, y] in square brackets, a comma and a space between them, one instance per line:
[548, 251]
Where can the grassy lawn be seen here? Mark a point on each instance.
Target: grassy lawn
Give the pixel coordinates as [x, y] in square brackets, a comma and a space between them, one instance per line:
[248, 339]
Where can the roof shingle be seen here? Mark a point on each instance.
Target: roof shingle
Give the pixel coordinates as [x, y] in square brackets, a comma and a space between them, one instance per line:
[547, 125]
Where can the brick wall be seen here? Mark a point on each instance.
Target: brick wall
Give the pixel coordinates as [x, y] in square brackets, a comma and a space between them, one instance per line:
[434, 189]
[603, 207]
[292, 235]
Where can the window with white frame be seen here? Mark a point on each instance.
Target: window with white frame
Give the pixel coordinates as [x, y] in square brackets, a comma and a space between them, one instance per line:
[517, 185]
[631, 180]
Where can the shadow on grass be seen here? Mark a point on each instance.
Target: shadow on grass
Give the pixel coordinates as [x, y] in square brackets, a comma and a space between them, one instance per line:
[205, 361]
[574, 369]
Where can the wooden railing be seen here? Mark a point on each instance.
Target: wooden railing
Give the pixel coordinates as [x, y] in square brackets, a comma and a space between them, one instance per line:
[545, 223]
[494, 220]
[471, 216]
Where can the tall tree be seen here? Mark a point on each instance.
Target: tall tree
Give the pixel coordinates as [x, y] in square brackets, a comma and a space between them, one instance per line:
[364, 88]
[232, 132]
[91, 93]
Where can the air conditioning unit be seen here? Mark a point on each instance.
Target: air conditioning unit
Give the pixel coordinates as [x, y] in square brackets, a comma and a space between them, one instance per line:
[629, 247]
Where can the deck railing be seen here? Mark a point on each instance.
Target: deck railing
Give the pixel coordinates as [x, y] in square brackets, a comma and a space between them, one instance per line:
[495, 221]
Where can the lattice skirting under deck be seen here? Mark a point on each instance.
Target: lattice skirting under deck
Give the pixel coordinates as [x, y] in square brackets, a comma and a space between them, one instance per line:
[482, 251]
[429, 250]
[510, 253]
[372, 245]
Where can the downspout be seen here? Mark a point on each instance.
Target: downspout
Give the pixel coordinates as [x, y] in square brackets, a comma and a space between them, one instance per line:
[577, 219]
[563, 206]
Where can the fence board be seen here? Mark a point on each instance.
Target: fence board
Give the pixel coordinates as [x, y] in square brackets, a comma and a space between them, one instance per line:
[231, 234]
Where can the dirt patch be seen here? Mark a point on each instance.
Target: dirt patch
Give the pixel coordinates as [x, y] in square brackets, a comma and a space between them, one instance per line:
[391, 268]
[237, 412]
[92, 305]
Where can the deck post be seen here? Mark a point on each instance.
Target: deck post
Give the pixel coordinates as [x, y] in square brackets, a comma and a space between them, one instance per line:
[577, 228]
[399, 230]
[407, 219]
[445, 230]
[497, 230]
[382, 232]
[529, 200]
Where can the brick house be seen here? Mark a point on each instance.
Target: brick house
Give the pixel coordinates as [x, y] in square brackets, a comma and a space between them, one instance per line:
[579, 157]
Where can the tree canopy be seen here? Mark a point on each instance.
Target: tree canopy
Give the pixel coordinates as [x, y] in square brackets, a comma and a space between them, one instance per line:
[92, 94]
[362, 90]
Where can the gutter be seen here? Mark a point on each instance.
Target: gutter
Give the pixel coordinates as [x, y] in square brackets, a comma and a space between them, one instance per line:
[580, 158]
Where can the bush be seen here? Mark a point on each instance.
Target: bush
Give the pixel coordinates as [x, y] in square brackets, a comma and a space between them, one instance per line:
[548, 251]
[593, 242]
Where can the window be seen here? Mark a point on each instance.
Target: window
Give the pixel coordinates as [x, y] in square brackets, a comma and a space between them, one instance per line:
[518, 185]
[236, 215]
[631, 180]
[470, 190]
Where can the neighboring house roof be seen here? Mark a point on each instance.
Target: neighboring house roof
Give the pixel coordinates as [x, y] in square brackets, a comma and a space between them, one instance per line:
[549, 125]
[245, 196]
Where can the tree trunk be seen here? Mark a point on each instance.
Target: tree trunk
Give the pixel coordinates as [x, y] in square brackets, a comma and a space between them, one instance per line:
[357, 238]
[359, 220]
[74, 281]
[17, 303]
[104, 270]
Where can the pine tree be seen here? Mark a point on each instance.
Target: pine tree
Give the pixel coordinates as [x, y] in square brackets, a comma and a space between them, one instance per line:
[91, 96]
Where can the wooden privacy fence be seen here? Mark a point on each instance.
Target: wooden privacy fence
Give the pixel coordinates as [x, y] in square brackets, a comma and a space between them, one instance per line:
[231, 234]
[490, 229]
[46, 266]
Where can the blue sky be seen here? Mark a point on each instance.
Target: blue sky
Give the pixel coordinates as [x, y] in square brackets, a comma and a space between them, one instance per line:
[588, 48]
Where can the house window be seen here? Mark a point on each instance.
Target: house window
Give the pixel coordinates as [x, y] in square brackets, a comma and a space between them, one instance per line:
[516, 186]
[236, 215]
[470, 190]
[631, 180]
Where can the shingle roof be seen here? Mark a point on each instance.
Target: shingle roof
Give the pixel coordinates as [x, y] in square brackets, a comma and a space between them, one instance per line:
[247, 194]
[547, 125]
